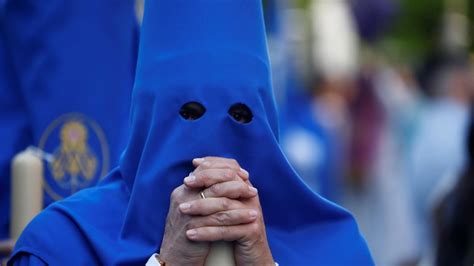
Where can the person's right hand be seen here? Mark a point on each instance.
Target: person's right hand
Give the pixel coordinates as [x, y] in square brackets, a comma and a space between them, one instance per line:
[231, 182]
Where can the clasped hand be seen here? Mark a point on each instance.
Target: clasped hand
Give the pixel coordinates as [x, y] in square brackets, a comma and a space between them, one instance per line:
[230, 211]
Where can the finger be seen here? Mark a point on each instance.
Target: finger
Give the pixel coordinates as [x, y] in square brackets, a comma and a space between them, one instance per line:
[209, 177]
[198, 161]
[232, 217]
[182, 194]
[224, 233]
[209, 206]
[230, 189]
[220, 163]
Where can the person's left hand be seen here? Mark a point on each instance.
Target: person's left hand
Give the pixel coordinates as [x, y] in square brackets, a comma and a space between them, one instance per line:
[223, 200]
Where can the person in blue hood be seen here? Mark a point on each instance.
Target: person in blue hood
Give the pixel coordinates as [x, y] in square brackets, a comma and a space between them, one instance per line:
[202, 91]
[66, 77]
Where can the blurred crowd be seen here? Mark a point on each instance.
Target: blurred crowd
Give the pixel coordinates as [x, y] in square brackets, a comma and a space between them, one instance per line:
[375, 98]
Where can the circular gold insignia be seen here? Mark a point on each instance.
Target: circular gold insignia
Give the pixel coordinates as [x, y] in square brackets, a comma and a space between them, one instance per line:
[80, 154]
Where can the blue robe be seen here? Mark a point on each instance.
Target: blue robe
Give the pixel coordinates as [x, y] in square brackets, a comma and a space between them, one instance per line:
[66, 75]
[214, 53]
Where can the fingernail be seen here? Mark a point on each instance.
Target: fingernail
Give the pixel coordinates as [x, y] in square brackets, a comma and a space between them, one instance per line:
[243, 171]
[253, 189]
[198, 160]
[191, 233]
[189, 179]
[253, 214]
[184, 206]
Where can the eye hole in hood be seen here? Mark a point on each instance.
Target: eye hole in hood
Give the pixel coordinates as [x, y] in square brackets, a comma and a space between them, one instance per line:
[192, 111]
[241, 113]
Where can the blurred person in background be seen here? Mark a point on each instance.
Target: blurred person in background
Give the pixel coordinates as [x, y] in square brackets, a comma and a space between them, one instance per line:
[335, 62]
[438, 151]
[453, 215]
[305, 141]
[389, 210]
[66, 72]
[321, 64]
[383, 108]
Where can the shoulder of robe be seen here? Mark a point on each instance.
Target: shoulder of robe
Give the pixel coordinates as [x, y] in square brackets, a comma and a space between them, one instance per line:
[51, 236]
[69, 230]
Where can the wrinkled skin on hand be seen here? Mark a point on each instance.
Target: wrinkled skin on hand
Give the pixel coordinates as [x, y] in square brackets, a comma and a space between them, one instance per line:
[231, 212]
[176, 248]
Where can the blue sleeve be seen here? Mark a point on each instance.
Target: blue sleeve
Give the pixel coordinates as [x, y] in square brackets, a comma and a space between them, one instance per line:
[25, 259]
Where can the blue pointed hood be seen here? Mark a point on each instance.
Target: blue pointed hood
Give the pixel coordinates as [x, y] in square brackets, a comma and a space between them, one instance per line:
[203, 51]
[214, 52]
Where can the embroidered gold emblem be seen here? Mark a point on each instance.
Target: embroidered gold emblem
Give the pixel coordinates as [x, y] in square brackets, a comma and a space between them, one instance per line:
[80, 154]
[74, 157]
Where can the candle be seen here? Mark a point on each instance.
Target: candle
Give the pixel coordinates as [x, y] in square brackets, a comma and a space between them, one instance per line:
[221, 254]
[27, 190]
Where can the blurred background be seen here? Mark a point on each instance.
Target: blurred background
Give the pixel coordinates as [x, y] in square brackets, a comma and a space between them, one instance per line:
[375, 100]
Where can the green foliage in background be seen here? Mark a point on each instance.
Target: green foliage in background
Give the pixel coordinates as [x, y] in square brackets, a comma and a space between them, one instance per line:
[302, 3]
[415, 33]
[471, 23]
